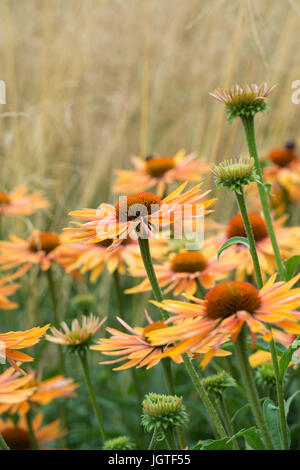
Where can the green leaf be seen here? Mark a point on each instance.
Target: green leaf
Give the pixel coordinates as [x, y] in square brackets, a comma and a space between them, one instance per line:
[272, 417]
[288, 402]
[210, 444]
[284, 361]
[252, 438]
[290, 266]
[233, 241]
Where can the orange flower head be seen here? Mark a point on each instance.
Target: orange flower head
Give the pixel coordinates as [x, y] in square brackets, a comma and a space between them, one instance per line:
[228, 298]
[158, 166]
[188, 262]
[282, 156]
[17, 438]
[236, 227]
[132, 206]
[4, 198]
[44, 241]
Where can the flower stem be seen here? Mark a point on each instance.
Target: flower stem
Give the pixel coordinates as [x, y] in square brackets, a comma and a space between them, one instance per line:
[248, 123]
[279, 384]
[31, 431]
[250, 388]
[3, 445]
[118, 290]
[243, 209]
[56, 320]
[153, 439]
[146, 256]
[87, 375]
[204, 396]
[227, 422]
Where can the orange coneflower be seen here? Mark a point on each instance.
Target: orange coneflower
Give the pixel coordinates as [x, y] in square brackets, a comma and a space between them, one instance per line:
[181, 271]
[11, 342]
[13, 388]
[93, 258]
[41, 248]
[284, 173]
[18, 202]
[6, 290]
[17, 436]
[225, 309]
[143, 211]
[132, 347]
[160, 171]
[43, 392]
[288, 241]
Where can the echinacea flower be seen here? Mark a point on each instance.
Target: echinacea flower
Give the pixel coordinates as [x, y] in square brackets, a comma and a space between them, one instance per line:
[132, 347]
[284, 172]
[18, 202]
[11, 342]
[225, 309]
[94, 257]
[181, 271]
[7, 289]
[288, 242]
[17, 437]
[77, 335]
[160, 171]
[243, 101]
[14, 388]
[145, 212]
[42, 392]
[41, 248]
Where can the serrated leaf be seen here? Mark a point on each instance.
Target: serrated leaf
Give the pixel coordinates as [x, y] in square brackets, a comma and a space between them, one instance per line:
[233, 241]
[290, 265]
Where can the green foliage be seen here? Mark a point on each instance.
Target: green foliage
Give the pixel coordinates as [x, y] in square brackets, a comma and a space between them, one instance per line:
[244, 109]
[233, 241]
[119, 443]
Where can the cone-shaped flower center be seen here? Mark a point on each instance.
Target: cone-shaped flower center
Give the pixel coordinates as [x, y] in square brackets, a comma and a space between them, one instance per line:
[136, 205]
[236, 227]
[282, 156]
[44, 241]
[4, 198]
[17, 438]
[228, 298]
[188, 262]
[157, 166]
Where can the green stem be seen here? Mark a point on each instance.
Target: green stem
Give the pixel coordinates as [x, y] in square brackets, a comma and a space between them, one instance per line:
[248, 123]
[56, 320]
[250, 388]
[227, 422]
[118, 290]
[146, 256]
[204, 396]
[3, 445]
[242, 205]
[87, 375]
[153, 440]
[33, 440]
[171, 439]
[279, 384]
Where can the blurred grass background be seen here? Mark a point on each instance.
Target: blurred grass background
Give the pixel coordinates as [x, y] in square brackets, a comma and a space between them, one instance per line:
[91, 83]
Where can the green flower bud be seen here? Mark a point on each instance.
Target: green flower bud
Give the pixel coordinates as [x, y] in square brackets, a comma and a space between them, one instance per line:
[119, 443]
[235, 174]
[217, 383]
[163, 412]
